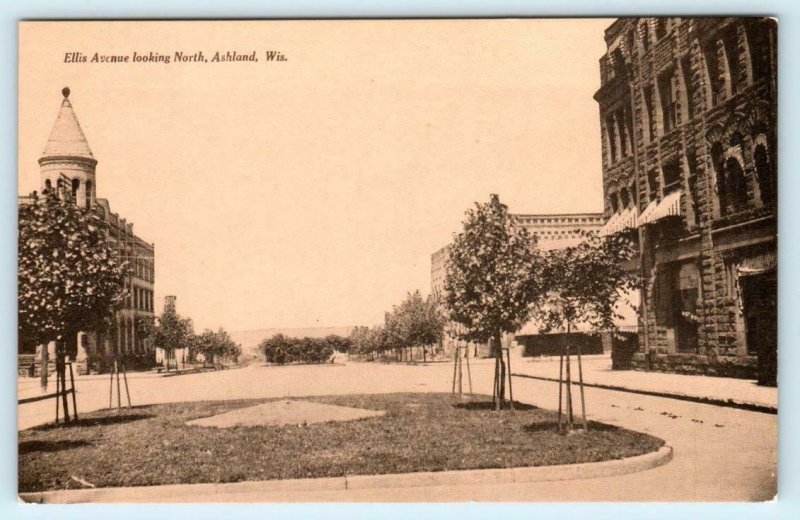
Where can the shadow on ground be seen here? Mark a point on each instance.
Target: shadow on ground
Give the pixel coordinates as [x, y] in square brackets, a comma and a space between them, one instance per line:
[489, 406]
[97, 421]
[26, 447]
[578, 426]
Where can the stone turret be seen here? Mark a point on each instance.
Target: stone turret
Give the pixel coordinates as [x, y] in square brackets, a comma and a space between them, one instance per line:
[67, 163]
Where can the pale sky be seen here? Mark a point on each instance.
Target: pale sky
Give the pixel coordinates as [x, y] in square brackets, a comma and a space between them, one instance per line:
[312, 192]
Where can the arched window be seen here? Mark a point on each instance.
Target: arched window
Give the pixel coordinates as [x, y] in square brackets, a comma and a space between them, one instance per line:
[721, 188]
[625, 198]
[76, 184]
[88, 194]
[735, 186]
[766, 180]
[48, 185]
[612, 199]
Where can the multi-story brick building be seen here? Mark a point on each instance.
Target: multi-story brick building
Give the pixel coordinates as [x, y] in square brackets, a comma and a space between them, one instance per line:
[689, 135]
[68, 166]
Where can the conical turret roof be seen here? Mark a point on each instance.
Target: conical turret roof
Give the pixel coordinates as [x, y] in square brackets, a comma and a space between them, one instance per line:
[66, 138]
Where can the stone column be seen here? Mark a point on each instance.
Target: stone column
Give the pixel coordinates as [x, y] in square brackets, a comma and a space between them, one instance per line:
[81, 354]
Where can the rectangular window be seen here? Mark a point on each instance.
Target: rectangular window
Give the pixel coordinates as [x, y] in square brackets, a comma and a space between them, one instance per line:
[688, 85]
[612, 138]
[652, 184]
[710, 57]
[672, 176]
[667, 95]
[731, 44]
[649, 108]
[623, 132]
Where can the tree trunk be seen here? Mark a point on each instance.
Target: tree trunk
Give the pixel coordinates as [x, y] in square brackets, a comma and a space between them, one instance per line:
[424, 356]
[500, 372]
[61, 374]
[45, 368]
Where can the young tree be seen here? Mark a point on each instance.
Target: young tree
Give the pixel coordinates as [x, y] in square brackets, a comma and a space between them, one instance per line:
[172, 331]
[215, 347]
[417, 322]
[586, 282]
[69, 279]
[492, 279]
[584, 285]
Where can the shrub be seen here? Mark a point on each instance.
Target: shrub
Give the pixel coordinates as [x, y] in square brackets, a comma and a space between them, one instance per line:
[282, 350]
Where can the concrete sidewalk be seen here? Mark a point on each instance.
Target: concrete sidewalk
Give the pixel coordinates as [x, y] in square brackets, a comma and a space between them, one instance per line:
[597, 372]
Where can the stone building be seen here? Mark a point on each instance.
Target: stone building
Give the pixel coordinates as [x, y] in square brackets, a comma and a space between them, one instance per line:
[689, 135]
[68, 166]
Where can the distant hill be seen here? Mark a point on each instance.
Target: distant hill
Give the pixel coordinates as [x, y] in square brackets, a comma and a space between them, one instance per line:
[249, 339]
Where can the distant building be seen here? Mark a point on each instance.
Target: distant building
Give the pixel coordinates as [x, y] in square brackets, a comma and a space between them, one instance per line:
[689, 137]
[68, 166]
[552, 231]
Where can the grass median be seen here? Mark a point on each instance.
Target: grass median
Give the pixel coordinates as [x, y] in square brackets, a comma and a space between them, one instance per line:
[153, 445]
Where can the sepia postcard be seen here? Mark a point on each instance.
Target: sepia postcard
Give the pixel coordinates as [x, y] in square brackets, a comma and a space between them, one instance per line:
[398, 260]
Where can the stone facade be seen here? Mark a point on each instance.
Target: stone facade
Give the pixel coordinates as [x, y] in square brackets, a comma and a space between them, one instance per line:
[689, 137]
[68, 166]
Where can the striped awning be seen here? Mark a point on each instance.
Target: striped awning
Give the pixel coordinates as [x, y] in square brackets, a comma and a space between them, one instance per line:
[607, 227]
[628, 219]
[668, 207]
[618, 222]
[759, 264]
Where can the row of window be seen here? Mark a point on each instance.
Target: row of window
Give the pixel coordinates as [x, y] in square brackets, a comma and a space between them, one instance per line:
[732, 180]
[61, 187]
[668, 101]
[127, 338]
[142, 299]
[559, 220]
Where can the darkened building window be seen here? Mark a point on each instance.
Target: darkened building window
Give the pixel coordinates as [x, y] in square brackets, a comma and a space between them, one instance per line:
[652, 184]
[731, 45]
[625, 198]
[623, 133]
[645, 36]
[759, 45]
[766, 179]
[672, 176]
[612, 138]
[732, 188]
[688, 85]
[667, 95]
[612, 200]
[661, 28]
[648, 104]
[694, 196]
[709, 49]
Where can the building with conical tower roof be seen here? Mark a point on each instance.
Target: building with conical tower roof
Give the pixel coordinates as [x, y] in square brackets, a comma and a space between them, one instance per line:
[68, 166]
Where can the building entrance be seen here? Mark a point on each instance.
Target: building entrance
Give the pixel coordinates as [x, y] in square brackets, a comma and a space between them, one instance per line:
[759, 306]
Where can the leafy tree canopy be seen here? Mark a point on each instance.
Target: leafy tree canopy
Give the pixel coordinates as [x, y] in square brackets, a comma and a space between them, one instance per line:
[215, 345]
[586, 282]
[69, 279]
[172, 331]
[491, 279]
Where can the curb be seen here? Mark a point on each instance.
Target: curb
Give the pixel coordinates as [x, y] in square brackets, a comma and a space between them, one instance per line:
[228, 492]
[728, 403]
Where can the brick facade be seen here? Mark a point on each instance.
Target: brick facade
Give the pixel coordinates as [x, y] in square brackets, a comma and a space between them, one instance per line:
[689, 105]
